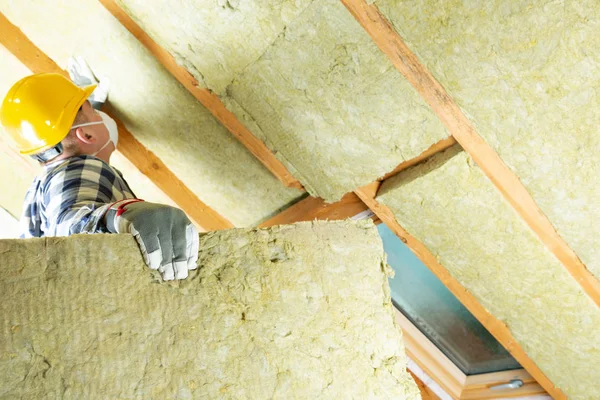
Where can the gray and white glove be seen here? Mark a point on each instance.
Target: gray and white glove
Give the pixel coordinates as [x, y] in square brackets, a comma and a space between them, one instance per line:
[82, 75]
[167, 238]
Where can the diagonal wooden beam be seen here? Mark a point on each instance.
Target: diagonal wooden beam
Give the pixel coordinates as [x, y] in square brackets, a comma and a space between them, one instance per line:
[496, 327]
[426, 393]
[390, 42]
[312, 208]
[430, 151]
[350, 205]
[146, 161]
[208, 99]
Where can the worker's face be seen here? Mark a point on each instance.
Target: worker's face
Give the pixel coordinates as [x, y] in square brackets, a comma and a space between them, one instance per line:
[93, 137]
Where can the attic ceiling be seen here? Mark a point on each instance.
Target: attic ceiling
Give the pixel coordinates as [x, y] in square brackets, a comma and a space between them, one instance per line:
[161, 114]
[315, 86]
[321, 94]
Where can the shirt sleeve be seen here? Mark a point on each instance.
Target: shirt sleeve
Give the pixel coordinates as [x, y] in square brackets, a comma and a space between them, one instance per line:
[77, 197]
[29, 224]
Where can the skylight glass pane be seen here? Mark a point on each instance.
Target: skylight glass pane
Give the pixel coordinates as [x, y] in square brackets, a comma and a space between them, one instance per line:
[430, 306]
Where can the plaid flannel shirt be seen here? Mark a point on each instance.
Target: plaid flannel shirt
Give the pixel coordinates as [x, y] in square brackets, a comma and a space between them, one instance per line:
[71, 196]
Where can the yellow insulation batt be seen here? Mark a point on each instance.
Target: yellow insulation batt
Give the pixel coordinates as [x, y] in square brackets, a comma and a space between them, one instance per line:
[214, 39]
[526, 73]
[291, 312]
[332, 105]
[449, 205]
[307, 80]
[155, 107]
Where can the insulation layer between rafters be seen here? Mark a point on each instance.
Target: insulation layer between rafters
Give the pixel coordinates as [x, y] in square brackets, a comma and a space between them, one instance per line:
[147, 162]
[208, 99]
[388, 40]
[490, 322]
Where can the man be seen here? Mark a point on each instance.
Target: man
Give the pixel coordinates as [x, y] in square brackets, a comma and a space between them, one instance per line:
[52, 120]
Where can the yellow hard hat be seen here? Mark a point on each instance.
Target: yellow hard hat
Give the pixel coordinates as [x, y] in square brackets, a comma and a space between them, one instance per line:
[39, 110]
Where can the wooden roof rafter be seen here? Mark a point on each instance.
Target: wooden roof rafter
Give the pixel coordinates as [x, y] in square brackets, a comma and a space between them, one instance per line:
[459, 126]
[496, 327]
[15, 41]
[206, 97]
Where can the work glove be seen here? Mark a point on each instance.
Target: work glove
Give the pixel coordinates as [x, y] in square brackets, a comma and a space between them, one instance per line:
[167, 238]
[82, 75]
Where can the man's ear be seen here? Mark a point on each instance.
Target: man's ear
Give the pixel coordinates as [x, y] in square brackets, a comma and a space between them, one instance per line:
[84, 137]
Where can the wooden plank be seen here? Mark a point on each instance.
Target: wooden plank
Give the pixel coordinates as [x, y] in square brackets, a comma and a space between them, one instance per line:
[208, 99]
[426, 393]
[316, 208]
[484, 380]
[528, 389]
[431, 150]
[312, 208]
[147, 162]
[479, 386]
[431, 359]
[496, 327]
[388, 40]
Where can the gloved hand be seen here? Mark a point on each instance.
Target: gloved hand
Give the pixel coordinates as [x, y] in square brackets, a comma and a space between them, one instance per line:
[168, 240]
[82, 75]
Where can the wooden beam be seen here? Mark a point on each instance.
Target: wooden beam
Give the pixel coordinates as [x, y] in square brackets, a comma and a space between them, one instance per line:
[496, 327]
[147, 162]
[426, 393]
[390, 42]
[431, 150]
[312, 208]
[316, 208]
[430, 359]
[478, 387]
[208, 99]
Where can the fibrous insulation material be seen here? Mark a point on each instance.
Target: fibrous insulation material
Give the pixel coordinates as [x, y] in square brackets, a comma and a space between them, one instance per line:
[292, 312]
[526, 73]
[214, 40]
[306, 79]
[160, 113]
[451, 207]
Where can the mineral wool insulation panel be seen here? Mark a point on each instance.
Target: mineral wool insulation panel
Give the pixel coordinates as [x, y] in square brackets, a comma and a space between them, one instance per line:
[450, 206]
[297, 311]
[155, 107]
[527, 74]
[214, 40]
[332, 104]
[307, 80]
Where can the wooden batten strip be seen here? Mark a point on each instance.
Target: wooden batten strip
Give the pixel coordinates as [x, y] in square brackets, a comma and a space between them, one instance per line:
[426, 393]
[208, 99]
[146, 161]
[350, 205]
[312, 208]
[430, 151]
[390, 43]
[496, 327]
[429, 358]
